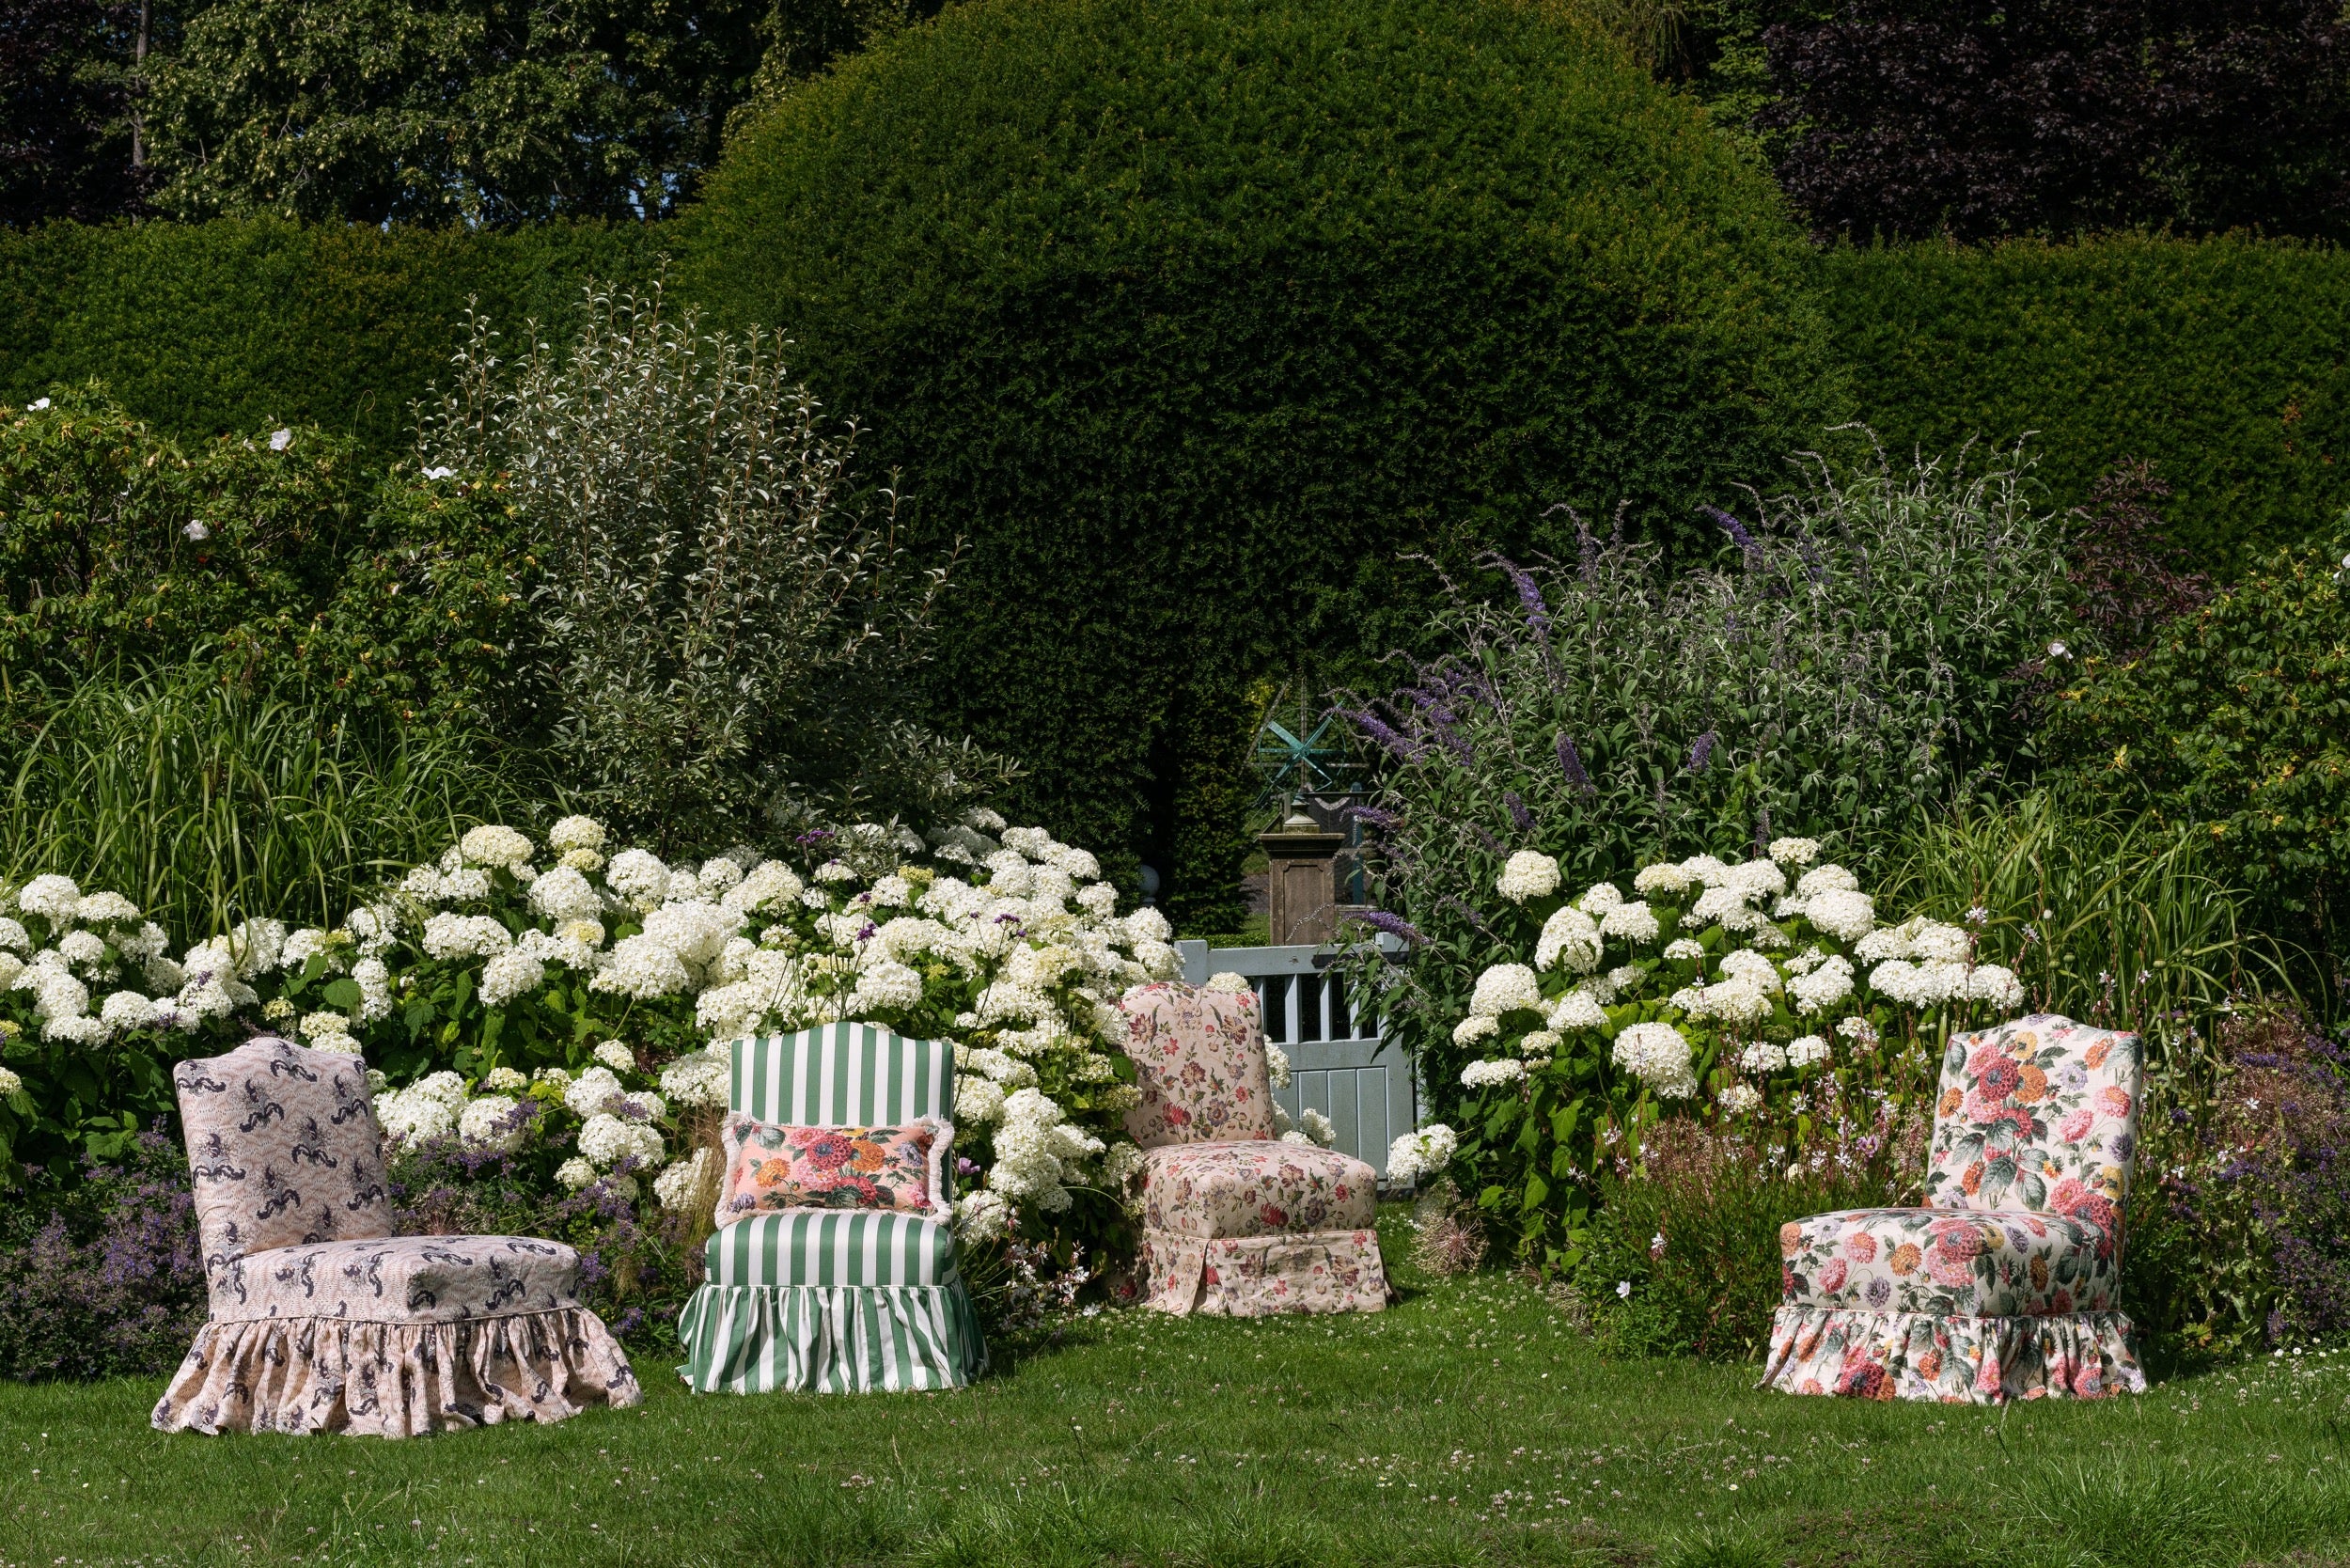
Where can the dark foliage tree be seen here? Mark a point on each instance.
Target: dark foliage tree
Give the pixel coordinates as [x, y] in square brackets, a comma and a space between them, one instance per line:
[65, 109]
[1979, 119]
[479, 111]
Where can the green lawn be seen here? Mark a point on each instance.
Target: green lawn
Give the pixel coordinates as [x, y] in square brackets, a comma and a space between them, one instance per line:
[1467, 1425]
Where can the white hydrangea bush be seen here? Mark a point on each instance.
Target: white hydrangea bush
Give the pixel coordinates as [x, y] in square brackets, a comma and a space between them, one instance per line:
[1712, 987]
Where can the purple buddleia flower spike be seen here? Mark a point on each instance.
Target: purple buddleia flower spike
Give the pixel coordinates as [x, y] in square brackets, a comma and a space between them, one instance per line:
[1484, 838]
[1394, 925]
[1519, 815]
[1811, 559]
[1530, 596]
[1379, 731]
[1373, 815]
[1737, 531]
[1571, 763]
[1467, 913]
[1701, 753]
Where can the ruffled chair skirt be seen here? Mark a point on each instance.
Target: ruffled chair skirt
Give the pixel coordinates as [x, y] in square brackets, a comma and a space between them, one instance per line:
[830, 1338]
[1954, 1359]
[398, 1379]
[1256, 1276]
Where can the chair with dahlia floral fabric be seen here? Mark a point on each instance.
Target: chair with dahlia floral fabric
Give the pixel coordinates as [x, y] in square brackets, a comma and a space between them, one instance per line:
[834, 1300]
[321, 1319]
[2005, 1285]
[1237, 1222]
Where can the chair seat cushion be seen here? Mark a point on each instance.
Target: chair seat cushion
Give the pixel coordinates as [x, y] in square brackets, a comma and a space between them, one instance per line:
[399, 1279]
[832, 1246]
[1967, 1263]
[1256, 1188]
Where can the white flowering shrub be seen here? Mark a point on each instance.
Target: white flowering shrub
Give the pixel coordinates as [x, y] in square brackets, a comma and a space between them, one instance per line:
[1761, 995]
[493, 991]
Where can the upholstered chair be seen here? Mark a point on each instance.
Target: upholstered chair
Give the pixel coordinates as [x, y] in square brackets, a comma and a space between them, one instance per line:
[834, 1301]
[2005, 1285]
[325, 1321]
[1237, 1222]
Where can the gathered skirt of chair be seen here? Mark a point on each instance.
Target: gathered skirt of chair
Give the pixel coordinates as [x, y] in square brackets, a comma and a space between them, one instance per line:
[1951, 1357]
[1256, 1276]
[394, 1379]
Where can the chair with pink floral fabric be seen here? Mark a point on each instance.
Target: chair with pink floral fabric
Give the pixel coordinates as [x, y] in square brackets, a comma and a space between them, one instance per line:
[1236, 1222]
[321, 1319]
[2005, 1285]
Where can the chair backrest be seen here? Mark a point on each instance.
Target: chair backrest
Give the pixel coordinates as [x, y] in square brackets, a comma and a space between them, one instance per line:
[841, 1075]
[2040, 1113]
[284, 1149]
[1201, 1059]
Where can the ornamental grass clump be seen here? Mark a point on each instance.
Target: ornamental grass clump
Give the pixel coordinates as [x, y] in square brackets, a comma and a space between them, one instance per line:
[1762, 999]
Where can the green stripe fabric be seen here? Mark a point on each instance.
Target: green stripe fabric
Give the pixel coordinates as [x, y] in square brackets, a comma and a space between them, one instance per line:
[842, 1075]
[826, 1247]
[830, 1338]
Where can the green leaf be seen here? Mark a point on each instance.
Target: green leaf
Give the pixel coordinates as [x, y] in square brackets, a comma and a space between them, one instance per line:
[342, 992]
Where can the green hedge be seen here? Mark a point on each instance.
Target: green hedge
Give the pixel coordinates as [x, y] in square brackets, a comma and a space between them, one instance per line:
[2223, 361]
[246, 325]
[1193, 317]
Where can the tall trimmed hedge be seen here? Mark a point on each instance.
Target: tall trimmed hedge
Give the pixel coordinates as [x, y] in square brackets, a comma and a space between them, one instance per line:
[1193, 317]
[2226, 362]
[240, 325]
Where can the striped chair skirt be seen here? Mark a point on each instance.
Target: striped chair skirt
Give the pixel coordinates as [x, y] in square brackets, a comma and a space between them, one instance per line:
[827, 1300]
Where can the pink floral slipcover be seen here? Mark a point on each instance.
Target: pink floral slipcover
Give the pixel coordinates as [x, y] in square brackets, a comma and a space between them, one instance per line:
[2005, 1286]
[321, 1319]
[1237, 1223]
[1259, 1188]
[1203, 1064]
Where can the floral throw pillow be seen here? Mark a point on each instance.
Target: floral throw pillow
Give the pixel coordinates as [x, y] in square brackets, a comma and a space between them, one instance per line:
[770, 1168]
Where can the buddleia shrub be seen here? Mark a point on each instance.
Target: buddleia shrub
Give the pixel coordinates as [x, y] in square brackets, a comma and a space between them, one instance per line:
[1850, 661]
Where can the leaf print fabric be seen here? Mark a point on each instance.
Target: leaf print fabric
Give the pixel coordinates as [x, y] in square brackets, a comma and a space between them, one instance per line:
[2004, 1286]
[321, 1319]
[1199, 1060]
[771, 1169]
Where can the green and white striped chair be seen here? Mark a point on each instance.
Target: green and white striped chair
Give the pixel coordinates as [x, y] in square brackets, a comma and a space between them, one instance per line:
[830, 1300]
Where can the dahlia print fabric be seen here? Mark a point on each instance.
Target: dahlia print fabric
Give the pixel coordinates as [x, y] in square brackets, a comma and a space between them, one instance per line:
[769, 1169]
[2040, 1114]
[2005, 1285]
[1200, 1063]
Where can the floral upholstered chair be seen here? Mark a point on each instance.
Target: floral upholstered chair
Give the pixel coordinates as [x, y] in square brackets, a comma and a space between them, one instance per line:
[834, 1301]
[1237, 1222]
[321, 1319]
[2005, 1285]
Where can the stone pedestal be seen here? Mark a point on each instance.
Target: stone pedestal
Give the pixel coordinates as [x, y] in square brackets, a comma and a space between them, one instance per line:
[1301, 885]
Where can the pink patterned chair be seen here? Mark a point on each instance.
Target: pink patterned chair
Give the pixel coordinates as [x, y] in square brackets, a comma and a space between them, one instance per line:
[322, 1319]
[2005, 1285]
[1236, 1222]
